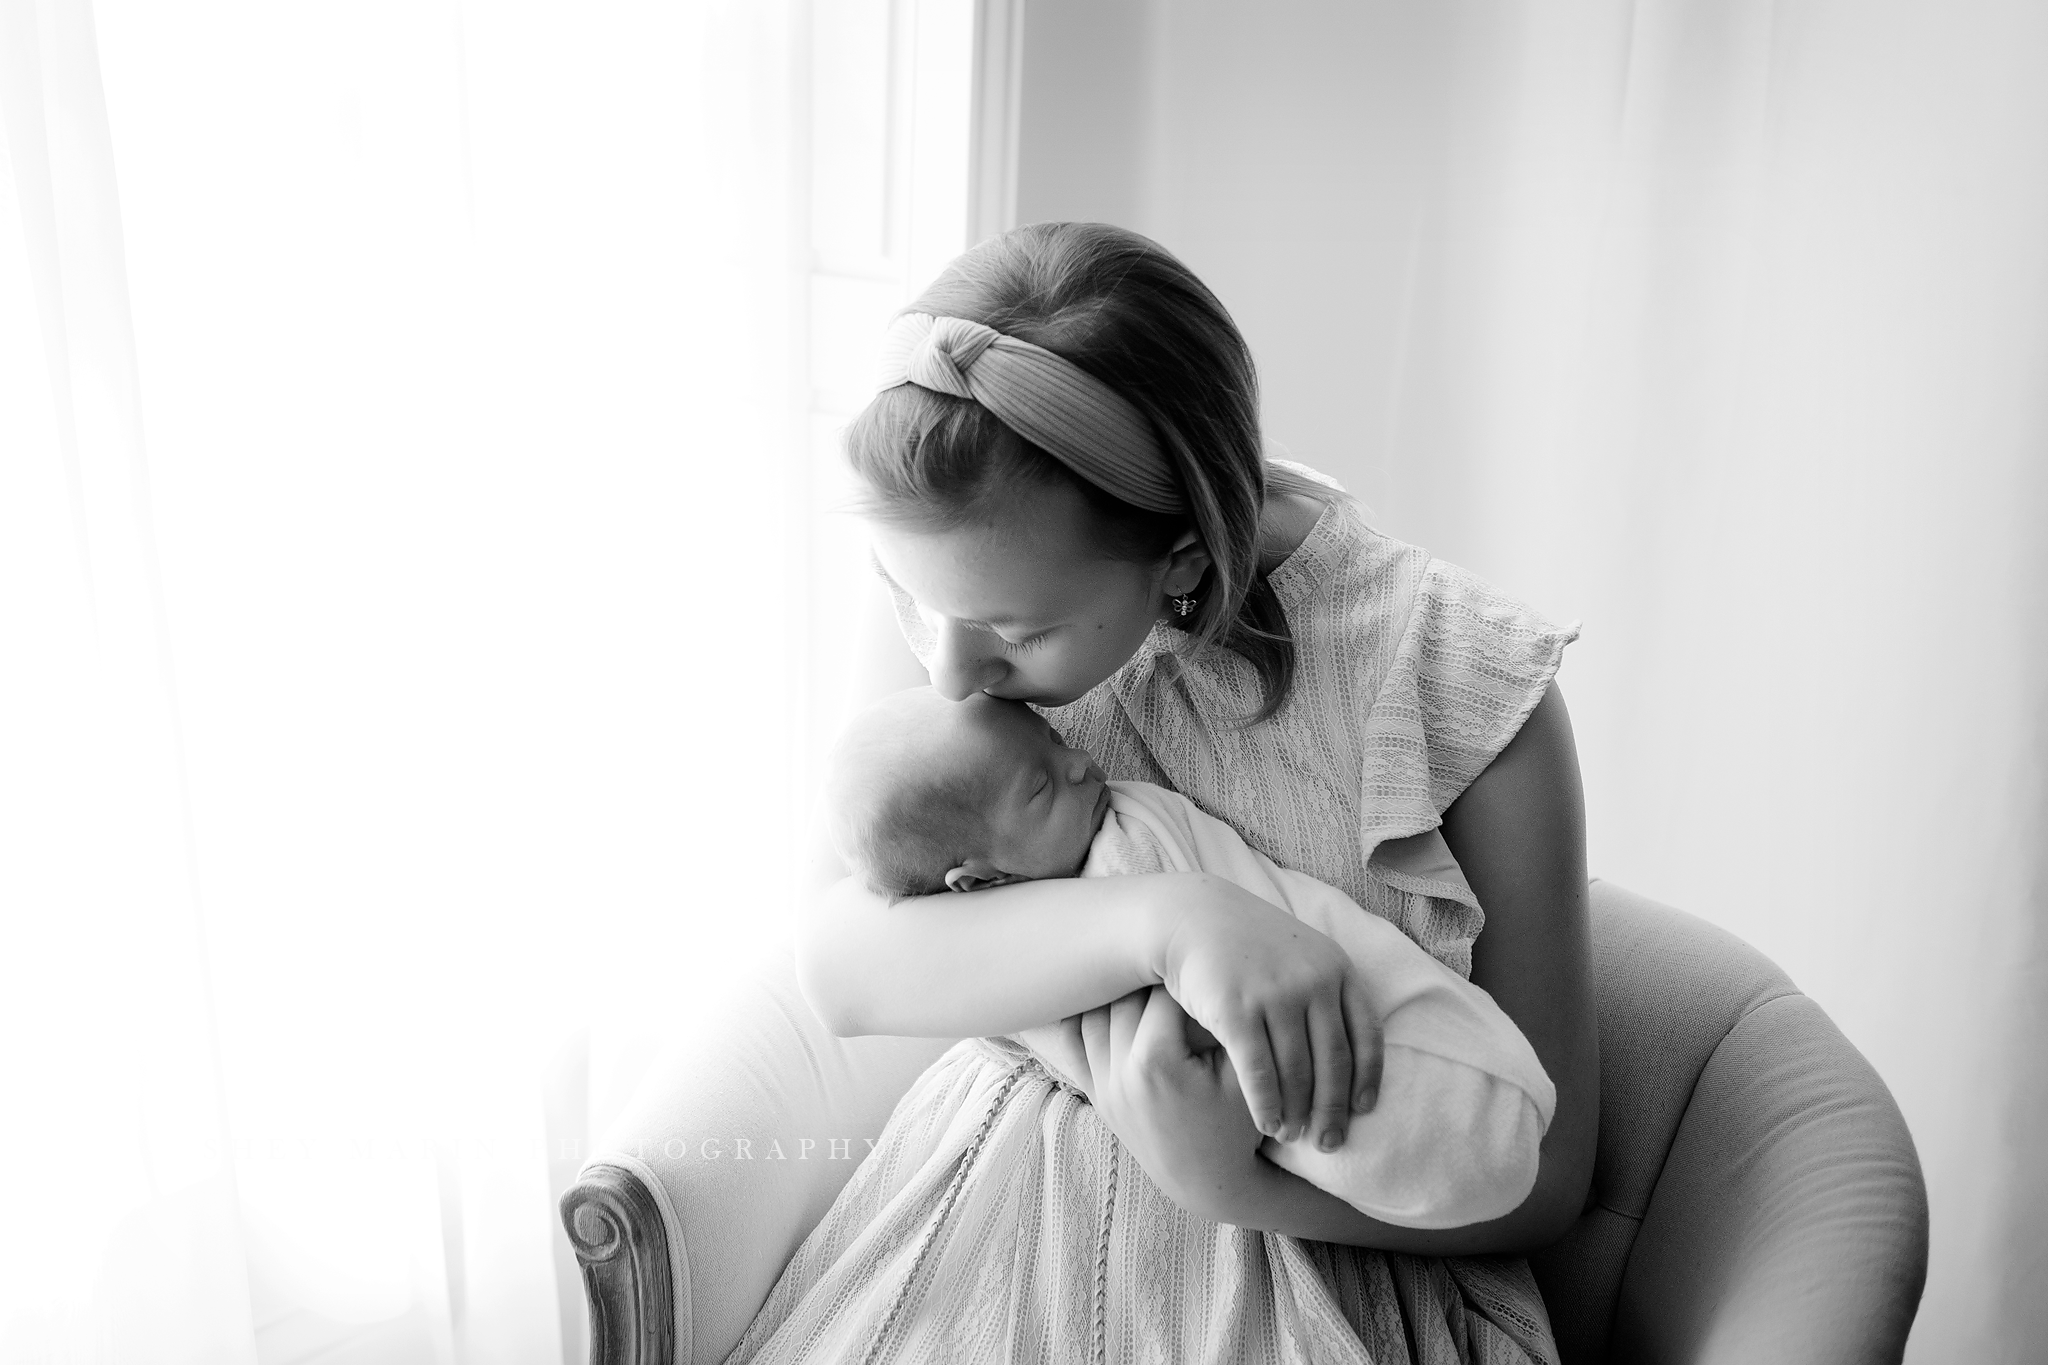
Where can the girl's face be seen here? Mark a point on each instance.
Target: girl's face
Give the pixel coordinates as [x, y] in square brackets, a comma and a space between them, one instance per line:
[1030, 609]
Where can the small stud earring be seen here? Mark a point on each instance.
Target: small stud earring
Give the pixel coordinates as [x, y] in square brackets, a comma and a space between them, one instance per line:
[1184, 604]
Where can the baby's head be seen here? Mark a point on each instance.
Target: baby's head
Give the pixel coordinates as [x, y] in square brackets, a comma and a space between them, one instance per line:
[926, 794]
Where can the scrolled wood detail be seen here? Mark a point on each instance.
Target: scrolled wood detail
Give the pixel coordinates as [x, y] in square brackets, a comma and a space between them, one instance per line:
[616, 1228]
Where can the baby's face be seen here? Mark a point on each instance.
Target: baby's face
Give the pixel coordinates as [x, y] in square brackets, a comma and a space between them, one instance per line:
[1045, 800]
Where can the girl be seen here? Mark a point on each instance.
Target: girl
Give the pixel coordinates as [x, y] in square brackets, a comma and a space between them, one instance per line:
[1069, 500]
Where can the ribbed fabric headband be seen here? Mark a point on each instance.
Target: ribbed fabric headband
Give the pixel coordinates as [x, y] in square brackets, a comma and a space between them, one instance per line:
[1043, 397]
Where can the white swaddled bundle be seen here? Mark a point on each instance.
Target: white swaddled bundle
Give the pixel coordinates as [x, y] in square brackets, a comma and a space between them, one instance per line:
[1463, 1103]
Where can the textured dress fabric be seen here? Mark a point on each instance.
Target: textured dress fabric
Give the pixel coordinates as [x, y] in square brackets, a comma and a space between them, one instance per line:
[999, 1219]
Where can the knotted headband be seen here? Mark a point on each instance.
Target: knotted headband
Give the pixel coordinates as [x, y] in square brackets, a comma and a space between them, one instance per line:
[1043, 397]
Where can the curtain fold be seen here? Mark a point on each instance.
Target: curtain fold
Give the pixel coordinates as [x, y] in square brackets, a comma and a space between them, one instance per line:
[121, 1192]
[414, 564]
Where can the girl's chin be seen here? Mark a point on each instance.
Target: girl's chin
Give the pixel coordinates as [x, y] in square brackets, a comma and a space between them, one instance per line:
[1046, 700]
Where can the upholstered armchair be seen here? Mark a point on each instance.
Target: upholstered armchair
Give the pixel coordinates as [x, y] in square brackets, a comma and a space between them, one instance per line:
[1756, 1197]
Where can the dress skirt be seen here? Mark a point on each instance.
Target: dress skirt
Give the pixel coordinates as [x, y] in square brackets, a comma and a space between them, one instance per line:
[999, 1220]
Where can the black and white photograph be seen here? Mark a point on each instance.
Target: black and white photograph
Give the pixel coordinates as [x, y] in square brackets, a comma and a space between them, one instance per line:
[1023, 682]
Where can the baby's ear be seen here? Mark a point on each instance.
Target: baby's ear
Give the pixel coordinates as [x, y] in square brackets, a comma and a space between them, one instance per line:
[977, 873]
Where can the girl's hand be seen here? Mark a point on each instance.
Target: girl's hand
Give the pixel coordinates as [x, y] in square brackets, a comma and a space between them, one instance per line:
[1179, 1111]
[1287, 1004]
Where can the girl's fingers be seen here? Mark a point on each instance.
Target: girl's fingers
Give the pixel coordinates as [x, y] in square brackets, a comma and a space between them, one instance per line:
[1331, 1111]
[1095, 1043]
[1162, 1033]
[1076, 1026]
[1106, 1033]
[1252, 1058]
[1124, 1016]
[1368, 1047]
[1074, 1046]
[1295, 1062]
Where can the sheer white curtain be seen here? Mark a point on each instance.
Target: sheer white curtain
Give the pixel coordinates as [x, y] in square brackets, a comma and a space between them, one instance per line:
[1720, 324]
[415, 467]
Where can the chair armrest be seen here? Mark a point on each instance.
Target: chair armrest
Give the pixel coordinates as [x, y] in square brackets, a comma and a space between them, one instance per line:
[616, 1227]
[726, 1158]
[1669, 987]
[1790, 1221]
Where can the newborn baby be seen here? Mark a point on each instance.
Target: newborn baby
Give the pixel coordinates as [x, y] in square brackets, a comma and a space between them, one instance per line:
[927, 795]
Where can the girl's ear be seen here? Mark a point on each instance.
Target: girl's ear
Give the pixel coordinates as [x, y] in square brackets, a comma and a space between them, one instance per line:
[1185, 565]
[977, 873]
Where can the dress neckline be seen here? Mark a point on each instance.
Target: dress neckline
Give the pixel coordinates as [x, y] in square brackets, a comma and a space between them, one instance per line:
[1308, 564]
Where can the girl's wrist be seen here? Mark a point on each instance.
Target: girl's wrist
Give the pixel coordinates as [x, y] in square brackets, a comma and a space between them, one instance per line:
[1246, 1200]
[1173, 902]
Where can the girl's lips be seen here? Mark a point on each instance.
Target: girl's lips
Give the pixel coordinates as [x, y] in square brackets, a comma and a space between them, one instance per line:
[1043, 701]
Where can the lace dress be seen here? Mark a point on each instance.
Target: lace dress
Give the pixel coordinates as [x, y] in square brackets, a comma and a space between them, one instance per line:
[998, 1218]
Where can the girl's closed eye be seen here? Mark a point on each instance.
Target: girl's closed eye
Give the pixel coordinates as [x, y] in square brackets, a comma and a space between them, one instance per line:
[1029, 642]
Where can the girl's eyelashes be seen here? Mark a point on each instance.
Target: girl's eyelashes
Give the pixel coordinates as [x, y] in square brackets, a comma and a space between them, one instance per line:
[1013, 646]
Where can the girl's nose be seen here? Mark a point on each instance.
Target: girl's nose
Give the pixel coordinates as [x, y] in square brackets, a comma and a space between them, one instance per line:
[962, 663]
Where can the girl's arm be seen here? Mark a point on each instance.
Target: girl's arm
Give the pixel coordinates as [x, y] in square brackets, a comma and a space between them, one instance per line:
[1015, 956]
[1519, 834]
[1282, 997]
[1273, 1200]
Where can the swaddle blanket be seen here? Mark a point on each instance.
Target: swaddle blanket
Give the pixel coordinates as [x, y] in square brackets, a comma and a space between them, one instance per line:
[1464, 1102]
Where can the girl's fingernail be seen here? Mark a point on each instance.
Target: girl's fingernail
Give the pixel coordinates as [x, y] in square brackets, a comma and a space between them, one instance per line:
[1330, 1140]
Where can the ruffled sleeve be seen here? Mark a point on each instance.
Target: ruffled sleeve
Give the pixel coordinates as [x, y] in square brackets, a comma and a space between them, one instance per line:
[1470, 667]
